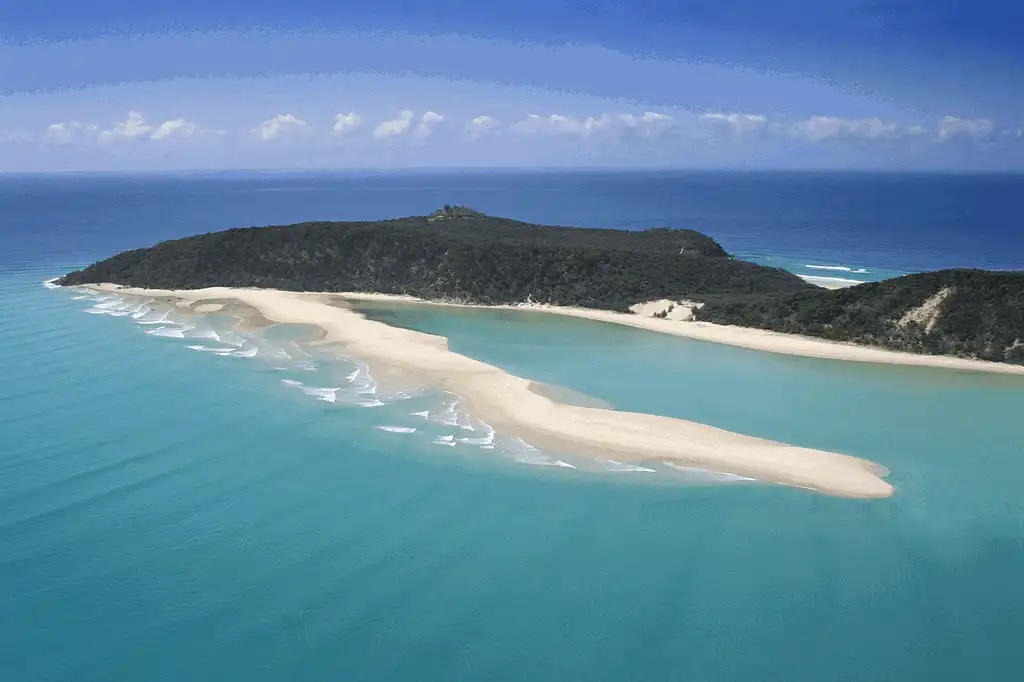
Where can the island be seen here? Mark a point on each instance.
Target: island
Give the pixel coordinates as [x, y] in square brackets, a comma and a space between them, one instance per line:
[673, 281]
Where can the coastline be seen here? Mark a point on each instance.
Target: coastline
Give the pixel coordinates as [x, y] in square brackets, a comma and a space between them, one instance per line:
[742, 337]
[513, 404]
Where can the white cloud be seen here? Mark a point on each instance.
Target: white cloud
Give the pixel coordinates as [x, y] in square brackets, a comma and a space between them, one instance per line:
[346, 123]
[818, 128]
[131, 128]
[279, 126]
[427, 123]
[951, 126]
[649, 124]
[555, 124]
[394, 127]
[736, 123]
[481, 125]
[177, 127]
[68, 132]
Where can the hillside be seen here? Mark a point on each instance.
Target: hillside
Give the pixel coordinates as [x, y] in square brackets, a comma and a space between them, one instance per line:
[966, 313]
[455, 254]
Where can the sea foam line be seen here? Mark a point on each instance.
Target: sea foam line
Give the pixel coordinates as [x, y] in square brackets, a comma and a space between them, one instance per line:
[814, 279]
[613, 465]
[708, 474]
[838, 268]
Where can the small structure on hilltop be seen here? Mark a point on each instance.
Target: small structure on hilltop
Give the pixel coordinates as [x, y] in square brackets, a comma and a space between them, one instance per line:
[450, 212]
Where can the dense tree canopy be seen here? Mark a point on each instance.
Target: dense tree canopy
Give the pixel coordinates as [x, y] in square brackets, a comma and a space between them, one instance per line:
[455, 254]
[977, 314]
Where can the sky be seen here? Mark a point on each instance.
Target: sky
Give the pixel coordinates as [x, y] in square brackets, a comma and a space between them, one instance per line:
[119, 85]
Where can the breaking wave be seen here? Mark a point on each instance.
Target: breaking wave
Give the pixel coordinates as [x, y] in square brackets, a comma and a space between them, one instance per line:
[612, 465]
[837, 268]
[834, 281]
[524, 453]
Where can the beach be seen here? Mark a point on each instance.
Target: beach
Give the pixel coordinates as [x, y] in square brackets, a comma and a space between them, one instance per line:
[508, 402]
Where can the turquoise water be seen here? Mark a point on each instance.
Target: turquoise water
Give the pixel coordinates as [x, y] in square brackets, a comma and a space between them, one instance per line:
[172, 514]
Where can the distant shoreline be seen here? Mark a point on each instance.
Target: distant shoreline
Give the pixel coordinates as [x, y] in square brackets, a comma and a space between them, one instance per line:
[511, 403]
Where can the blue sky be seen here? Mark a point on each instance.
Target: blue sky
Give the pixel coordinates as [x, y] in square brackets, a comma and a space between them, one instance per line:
[888, 84]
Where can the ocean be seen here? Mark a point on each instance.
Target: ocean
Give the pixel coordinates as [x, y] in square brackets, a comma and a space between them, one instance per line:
[184, 500]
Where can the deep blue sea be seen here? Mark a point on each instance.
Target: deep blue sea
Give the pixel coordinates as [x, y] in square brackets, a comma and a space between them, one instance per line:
[185, 499]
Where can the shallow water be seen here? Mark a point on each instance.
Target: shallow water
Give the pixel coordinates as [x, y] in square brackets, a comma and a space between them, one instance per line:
[172, 514]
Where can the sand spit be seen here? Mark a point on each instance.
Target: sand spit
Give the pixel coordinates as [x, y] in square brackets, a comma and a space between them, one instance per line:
[508, 403]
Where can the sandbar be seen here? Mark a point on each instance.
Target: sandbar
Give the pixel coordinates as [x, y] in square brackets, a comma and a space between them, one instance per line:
[508, 403]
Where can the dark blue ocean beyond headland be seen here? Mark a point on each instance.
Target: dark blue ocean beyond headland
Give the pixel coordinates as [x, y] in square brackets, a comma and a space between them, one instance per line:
[854, 226]
[168, 514]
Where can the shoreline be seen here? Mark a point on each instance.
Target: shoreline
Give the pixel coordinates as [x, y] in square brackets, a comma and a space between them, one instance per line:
[741, 337]
[512, 404]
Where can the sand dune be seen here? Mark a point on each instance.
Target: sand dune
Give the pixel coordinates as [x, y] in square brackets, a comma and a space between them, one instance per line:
[508, 403]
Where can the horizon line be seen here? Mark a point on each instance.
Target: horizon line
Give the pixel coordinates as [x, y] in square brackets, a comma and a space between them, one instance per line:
[440, 170]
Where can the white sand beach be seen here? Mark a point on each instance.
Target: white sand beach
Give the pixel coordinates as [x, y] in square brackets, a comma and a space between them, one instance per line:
[509, 404]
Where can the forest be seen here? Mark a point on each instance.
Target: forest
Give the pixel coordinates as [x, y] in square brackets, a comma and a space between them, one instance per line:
[455, 254]
[977, 314]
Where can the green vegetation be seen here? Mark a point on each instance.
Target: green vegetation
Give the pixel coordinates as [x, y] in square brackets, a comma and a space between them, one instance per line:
[454, 254]
[459, 254]
[967, 313]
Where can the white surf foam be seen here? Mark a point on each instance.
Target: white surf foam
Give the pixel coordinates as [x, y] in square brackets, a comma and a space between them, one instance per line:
[232, 339]
[696, 473]
[485, 440]
[155, 319]
[839, 268]
[361, 381]
[328, 395]
[291, 382]
[205, 334]
[211, 349]
[306, 365]
[448, 416]
[524, 453]
[168, 332]
[612, 465]
[836, 281]
[397, 429]
[464, 422]
[425, 414]
[446, 440]
[246, 353]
